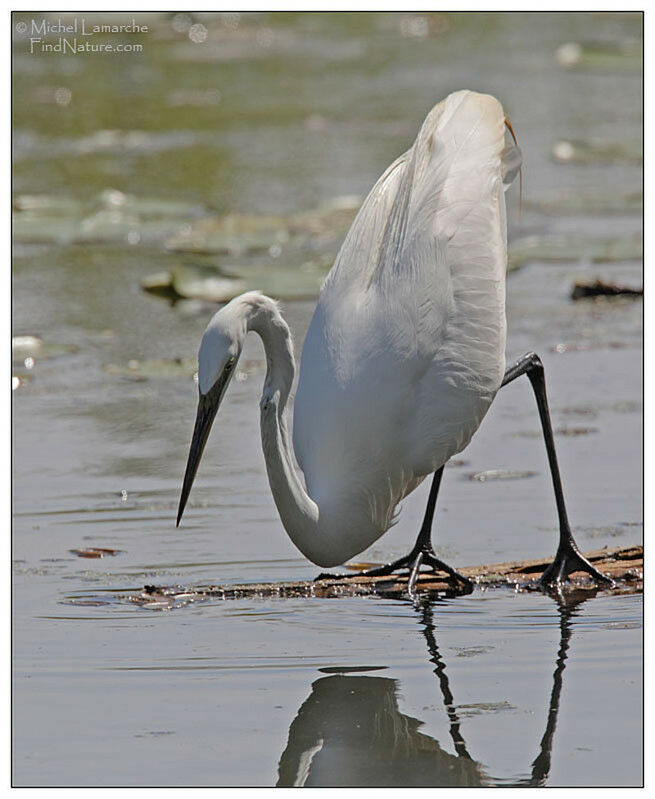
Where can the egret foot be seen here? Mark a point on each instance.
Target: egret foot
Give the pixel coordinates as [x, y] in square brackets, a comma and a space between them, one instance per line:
[419, 556]
[567, 560]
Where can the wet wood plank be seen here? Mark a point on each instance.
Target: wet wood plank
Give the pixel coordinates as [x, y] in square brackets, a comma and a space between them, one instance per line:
[623, 564]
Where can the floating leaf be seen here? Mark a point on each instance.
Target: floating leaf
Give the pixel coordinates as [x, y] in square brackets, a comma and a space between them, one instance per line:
[111, 216]
[32, 227]
[210, 284]
[244, 233]
[47, 204]
[578, 151]
[24, 346]
[205, 283]
[150, 207]
[161, 284]
[234, 233]
[332, 218]
[592, 203]
[572, 249]
[499, 474]
[143, 370]
[622, 56]
[95, 552]
[32, 347]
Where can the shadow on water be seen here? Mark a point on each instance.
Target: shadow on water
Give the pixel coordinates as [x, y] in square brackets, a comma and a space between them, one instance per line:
[350, 731]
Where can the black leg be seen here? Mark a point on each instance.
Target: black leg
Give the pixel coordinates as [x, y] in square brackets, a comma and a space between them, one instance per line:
[568, 557]
[422, 552]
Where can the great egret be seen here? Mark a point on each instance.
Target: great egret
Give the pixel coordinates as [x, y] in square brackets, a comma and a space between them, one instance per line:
[403, 356]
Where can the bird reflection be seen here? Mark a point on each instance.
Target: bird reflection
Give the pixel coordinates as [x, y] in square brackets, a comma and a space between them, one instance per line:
[350, 732]
[568, 609]
[567, 606]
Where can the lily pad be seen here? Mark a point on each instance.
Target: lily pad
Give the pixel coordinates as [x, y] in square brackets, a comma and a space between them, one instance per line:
[205, 283]
[332, 218]
[234, 233]
[24, 346]
[592, 151]
[571, 249]
[150, 207]
[111, 216]
[246, 233]
[499, 474]
[620, 56]
[159, 283]
[592, 203]
[28, 347]
[136, 141]
[32, 227]
[144, 370]
[109, 225]
[47, 204]
[213, 285]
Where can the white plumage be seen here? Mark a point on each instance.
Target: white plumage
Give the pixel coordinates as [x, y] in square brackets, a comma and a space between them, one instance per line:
[405, 351]
[406, 348]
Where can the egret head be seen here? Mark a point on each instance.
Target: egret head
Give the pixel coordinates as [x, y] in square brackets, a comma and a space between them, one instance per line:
[220, 349]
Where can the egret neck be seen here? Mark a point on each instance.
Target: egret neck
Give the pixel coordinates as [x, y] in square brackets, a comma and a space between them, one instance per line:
[298, 511]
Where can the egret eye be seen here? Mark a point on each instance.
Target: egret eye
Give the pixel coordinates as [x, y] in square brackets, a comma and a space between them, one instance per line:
[230, 362]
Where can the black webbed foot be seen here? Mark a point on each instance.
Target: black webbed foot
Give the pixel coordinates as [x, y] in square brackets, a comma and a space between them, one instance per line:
[567, 560]
[412, 562]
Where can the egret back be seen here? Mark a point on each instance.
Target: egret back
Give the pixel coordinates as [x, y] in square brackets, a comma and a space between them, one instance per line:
[405, 351]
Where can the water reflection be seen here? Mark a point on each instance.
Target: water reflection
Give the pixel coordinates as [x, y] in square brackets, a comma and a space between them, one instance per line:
[568, 609]
[350, 731]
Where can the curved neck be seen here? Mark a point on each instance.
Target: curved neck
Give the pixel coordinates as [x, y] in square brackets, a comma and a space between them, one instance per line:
[298, 511]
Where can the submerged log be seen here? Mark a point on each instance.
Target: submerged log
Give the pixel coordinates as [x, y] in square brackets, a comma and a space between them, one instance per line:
[623, 564]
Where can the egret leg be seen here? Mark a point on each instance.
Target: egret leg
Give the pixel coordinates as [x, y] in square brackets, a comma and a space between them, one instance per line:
[422, 552]
[568, 557]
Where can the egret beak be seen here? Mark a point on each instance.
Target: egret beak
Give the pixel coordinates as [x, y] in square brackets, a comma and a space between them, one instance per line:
[207, 408]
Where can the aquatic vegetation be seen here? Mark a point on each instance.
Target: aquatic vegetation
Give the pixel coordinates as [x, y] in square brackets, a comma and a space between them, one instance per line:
[34, 348]
[234, 233]
[210, 284]
[607, 56]
[499, 474]
[588, 151]
[110, 217]
[560, 249]
[586, 203]
[156, 368]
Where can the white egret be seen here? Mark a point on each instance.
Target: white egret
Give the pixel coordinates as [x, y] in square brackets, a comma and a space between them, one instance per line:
[403, 356]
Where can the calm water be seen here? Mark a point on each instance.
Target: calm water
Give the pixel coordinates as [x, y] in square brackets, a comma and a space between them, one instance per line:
[277, 114]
